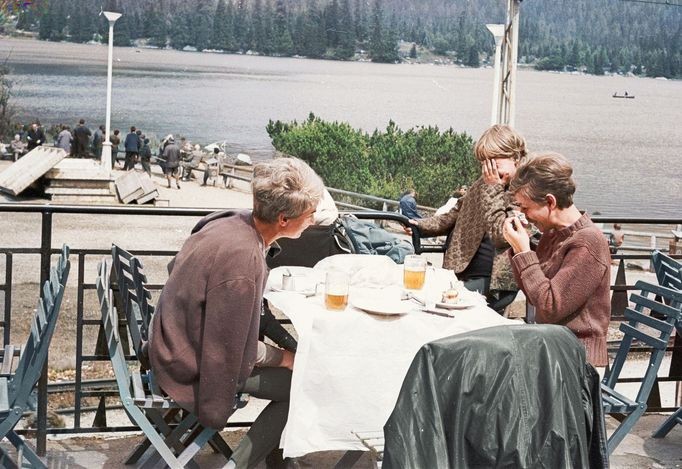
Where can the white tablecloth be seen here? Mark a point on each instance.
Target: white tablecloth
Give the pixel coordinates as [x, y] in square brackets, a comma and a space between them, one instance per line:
[350, 365]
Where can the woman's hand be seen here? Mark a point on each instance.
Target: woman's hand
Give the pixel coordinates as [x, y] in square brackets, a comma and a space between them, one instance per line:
[490, 173]
[516, 235]
[407, 229]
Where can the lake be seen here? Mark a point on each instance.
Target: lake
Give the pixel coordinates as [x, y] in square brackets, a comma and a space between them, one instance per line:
[626, 152]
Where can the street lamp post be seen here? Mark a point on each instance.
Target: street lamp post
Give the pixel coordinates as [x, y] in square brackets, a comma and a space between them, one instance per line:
[497, 31]
[106, 145]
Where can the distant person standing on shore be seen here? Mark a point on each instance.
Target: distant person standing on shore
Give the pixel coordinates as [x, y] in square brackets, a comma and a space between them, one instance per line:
[132, 147]
[97, 142]
[81, 139]
[172, 166]
[35, 136]
[408, 205]
[64, 139]
[115, 141]
[146, 157]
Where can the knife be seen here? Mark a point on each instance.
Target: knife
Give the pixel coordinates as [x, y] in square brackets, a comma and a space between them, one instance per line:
[438, 313]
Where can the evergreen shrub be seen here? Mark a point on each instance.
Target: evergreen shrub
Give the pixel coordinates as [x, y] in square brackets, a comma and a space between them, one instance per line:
[384, 163]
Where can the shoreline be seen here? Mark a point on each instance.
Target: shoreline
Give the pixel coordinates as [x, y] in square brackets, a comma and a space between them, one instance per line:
[438, 61]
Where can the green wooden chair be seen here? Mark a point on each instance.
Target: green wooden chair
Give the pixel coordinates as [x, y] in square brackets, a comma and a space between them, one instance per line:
[669, 274]
[655, 334]
[16, 385]
[135, 299]
[143, 400]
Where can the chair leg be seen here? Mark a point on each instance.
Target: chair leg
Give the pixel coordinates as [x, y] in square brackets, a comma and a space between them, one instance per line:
[6, 460]
[154, 438]
[25, 451]
[194, 447]
[220, 446]
[137, 453]
[624, 428]
[173, 439]
[669, 423]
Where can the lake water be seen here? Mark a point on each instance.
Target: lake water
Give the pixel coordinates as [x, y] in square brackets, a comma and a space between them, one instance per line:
[626, 152]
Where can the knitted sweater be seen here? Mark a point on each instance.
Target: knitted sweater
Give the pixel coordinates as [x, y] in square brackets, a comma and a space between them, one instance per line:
[204, 337]
[567, 279]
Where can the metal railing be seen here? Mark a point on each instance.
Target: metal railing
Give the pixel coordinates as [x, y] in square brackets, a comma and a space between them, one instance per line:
[86, 388]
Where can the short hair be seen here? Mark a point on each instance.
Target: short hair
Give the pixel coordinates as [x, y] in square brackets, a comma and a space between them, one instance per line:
[284, 185]
[545, 173]
[500, 141]
[82, 121]
[132, 128]
[215, 149]
[616, 226]
[116, 132]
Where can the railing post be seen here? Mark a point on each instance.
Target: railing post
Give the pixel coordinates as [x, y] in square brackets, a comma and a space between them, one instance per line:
[45, 253]
[6, 330]
[653, 248]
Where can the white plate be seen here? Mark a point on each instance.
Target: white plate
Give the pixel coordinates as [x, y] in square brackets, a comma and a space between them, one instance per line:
[462, 303]
[383, 307]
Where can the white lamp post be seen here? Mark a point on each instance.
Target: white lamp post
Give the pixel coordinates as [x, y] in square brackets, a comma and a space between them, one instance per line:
[106, 145]
[497, 31]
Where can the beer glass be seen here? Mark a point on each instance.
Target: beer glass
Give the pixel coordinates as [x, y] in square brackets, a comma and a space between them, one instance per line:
[336, 290]
[414, 272]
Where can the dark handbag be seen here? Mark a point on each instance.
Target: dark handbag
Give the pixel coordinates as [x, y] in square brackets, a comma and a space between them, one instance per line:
[314, 244]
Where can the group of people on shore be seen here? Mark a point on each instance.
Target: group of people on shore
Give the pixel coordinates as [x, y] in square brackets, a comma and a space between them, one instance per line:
[204, 346]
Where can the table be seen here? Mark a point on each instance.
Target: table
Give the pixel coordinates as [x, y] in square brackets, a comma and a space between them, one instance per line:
[350, 365]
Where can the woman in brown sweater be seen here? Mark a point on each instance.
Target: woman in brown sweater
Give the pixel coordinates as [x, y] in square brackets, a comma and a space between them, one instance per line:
[567, 277]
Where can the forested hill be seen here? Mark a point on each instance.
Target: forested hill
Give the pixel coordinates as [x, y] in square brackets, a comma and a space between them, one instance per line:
[596, 36]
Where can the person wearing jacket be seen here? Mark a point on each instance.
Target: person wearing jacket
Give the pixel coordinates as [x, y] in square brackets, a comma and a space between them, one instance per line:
[476, 246]
[568, 277]
[81, 138]
[35, 136]
[203, 345]
[132, 146]
[171, 156]
[64, 139]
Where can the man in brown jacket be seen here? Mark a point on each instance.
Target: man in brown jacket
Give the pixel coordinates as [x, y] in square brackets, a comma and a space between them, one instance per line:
[204, 346]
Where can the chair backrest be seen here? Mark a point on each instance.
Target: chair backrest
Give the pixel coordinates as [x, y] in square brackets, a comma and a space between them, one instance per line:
[134, 295]
[655, 334]
[668, 270]
[43, 325]
[110, 324]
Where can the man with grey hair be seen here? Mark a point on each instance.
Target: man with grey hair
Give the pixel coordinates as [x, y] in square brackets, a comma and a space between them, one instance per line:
[204, 346]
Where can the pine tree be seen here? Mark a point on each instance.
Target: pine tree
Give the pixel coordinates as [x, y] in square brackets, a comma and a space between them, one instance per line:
[45, 31]
[121, 32]
[283, 43]
[346, 34]
[332, 23]
[360, 18]
[376, 40]
[180, 32]
[219, 36]
[258, 23]
[156, 28]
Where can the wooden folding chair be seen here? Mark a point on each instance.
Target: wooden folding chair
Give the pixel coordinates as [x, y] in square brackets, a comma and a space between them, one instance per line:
[16, 386]
[142, 399]
[669, 274]
[654, 333]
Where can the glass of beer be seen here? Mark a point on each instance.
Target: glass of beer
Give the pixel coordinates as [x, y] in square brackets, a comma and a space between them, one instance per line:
[336, 290]
[414, 272]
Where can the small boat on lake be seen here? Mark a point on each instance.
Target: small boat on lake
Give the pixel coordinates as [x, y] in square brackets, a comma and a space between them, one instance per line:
[624, 95]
